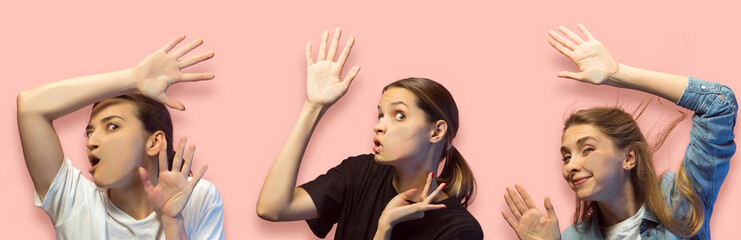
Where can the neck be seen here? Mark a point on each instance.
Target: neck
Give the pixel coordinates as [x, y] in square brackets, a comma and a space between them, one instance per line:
[408, 177]
[131, 198]
[617, 209]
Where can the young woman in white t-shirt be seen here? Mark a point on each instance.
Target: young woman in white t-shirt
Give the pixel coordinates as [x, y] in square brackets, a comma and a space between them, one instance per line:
[134, 194]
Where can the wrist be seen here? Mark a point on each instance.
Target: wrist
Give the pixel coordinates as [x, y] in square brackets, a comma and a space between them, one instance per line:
[169, 221]
[315, 107]
[383, 231]
[616, 77]
[128, 81]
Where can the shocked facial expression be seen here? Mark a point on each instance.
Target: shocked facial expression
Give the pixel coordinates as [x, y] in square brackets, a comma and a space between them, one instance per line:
[115, 143]
[403, 132]
[593, 166]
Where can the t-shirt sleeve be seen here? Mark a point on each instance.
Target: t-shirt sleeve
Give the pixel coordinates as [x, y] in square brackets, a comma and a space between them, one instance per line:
[205, 216]
[327, 192]
[68, 192]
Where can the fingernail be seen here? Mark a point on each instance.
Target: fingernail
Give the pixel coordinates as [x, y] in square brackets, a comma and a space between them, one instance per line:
[414, 188]
[444, 207]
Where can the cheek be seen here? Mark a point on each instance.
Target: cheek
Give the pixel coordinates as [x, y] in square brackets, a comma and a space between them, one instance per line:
[403, 139]
[124, 152]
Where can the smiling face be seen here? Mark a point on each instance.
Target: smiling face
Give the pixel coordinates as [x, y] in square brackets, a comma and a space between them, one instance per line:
[593, 167]
[403, 132]
[116, 143]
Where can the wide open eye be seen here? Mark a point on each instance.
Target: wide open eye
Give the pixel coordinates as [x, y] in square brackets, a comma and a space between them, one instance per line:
[400, 116]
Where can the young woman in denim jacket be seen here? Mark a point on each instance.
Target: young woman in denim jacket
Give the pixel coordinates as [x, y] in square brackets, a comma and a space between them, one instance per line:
[608, 163]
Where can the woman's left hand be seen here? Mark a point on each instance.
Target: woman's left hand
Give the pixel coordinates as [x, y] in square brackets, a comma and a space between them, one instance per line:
[528, 222]
[173, 188]
[399, 210]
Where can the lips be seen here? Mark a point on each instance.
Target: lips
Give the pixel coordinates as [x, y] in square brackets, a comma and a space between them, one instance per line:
[94, 160]
[377, 148]
[579, 180]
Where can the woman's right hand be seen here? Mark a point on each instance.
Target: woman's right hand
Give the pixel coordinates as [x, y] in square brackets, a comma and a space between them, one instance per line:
[528, 222]
[595, 63]
[158, 71]
[400, 210]
[323, 84]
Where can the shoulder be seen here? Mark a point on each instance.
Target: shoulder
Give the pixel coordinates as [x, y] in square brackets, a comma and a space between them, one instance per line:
[204, 215]
[205, 189]
[569, 232]
[205, 197]
[585, 230]
[457, 216]
[453, 222]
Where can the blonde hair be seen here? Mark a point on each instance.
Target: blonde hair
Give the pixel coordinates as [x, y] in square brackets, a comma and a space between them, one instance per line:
[625, 134]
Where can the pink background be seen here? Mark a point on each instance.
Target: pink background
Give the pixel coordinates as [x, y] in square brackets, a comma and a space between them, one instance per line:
[492, 56]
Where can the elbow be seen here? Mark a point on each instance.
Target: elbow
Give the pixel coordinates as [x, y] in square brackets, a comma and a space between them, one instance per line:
[22, 103]
[267, 213]
[728, 95]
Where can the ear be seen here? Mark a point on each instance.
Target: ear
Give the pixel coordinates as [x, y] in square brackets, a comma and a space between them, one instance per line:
[438, 131]
[154, 143]
[630, 160]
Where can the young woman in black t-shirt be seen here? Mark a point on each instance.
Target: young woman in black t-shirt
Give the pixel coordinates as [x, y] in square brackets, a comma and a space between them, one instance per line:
[375, 196]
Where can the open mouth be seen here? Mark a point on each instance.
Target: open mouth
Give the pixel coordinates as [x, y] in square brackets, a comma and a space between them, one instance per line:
[94, 160]
[377, 148]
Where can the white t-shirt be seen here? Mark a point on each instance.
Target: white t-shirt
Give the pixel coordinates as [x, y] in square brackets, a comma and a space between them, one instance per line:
[80, 210]
[627, 229]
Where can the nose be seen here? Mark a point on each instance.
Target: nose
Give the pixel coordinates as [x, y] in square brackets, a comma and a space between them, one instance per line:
[573, 166]
[380, 127]
[92, 142]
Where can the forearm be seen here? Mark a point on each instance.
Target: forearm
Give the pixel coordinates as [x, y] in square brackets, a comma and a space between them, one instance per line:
[174, 228]
[60, 98]
[664, 85]
[383, 232]
[38, 107]
[278, 189]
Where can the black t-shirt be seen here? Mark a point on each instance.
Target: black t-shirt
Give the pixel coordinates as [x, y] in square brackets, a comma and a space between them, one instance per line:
[354, 194]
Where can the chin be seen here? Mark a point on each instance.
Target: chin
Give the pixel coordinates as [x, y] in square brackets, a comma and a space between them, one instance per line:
[104, 181]
[382, 160]
[584, 196]
[100, 182]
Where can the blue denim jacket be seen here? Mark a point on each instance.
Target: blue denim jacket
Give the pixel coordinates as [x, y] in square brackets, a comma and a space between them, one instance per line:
[706, 159]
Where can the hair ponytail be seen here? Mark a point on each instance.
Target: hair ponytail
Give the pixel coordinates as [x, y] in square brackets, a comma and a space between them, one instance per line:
[458, 177]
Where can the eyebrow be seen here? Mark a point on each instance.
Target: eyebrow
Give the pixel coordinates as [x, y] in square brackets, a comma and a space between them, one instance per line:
[397, 102]
[578, 142]
[105, 119]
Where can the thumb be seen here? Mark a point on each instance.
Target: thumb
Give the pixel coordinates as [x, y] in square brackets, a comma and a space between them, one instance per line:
[351, 75]
[572, 75]
[144, 175]
[549, 208]
[172, 103]
[408, 194]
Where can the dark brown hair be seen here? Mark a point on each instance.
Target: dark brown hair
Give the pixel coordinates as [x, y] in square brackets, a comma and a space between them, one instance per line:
[438, 104]
[624, 132]
[155, 117]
